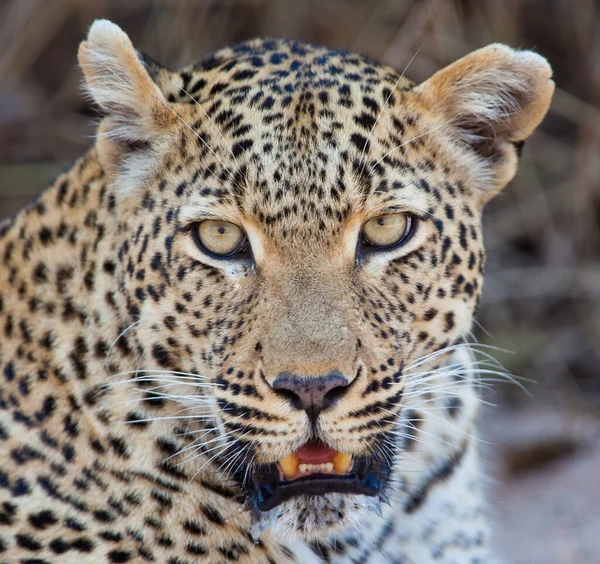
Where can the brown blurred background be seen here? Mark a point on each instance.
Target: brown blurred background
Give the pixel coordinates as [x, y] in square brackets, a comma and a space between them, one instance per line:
[542, 296]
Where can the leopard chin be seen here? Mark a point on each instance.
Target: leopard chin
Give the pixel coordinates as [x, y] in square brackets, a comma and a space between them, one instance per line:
[313, 518]
[311, 498]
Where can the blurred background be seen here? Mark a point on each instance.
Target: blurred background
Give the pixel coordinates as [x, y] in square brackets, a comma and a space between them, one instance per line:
[542, 294]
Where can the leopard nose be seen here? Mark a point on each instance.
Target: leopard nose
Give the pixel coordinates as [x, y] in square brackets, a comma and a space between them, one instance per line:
[311, 393]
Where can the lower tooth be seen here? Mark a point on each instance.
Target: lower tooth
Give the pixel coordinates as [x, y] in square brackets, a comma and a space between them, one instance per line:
[303, 468]
[329, 467]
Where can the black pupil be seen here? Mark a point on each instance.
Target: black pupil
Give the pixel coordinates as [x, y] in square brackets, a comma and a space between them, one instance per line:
[221, 230]
[381, 221]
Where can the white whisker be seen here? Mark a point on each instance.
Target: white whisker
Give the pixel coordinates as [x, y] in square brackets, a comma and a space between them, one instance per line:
[385, 105]
[210, 119]
[189, 375]
[121, 334]
[439, 126]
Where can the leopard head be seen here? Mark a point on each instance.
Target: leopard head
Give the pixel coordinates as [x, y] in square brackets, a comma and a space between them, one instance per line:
[298, 230]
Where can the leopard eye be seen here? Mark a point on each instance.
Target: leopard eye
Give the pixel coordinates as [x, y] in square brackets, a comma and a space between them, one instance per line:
[387, 231]
[220, 238]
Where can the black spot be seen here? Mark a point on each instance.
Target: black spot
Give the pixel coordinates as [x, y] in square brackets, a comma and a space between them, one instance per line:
[162, 498]
[28, 542]
[242, 146]
[156, 262]
[164, 540]
[83, 544]
[119, 556]
[119, 446]
[9, 371]
[72, 523]
[24, 454]
[360, 142]
[445, 247]
[45, 236]
[449, 318]
[20, 487]
[60, 546]
[77, 358]
[472, 261]
[453, 405]
[213, 515]
[161, 355]
[463, 235]
[195, 548]
[442, 473]
[268, 103]
[109, 267]
[104, 516]
[40, 273]
[430, 314]
[371, 104]
[218, 87]
[200, 83]
[365, 120]
[136, 419]
[111, 536]
[243, 74]
[62, 192]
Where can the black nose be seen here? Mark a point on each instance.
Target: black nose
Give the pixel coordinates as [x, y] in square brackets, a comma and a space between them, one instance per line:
[311, 393]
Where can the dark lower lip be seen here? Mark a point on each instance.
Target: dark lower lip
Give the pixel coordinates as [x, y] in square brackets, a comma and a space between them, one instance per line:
[266, 489]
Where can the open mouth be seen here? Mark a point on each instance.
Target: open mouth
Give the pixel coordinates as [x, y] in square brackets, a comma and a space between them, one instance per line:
[315, 469]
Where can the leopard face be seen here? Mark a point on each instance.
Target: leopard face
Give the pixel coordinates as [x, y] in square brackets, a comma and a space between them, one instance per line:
[296, 229]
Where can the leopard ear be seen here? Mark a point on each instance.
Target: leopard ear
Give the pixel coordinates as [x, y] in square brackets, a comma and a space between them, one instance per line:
[137, 114]
[492, 100]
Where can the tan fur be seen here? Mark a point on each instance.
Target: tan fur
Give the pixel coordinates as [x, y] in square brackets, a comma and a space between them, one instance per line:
[137, 370]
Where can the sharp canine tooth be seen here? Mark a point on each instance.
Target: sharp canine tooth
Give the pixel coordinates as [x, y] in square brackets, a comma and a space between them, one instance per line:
[342, 462]
[289, 465]
[329, 467]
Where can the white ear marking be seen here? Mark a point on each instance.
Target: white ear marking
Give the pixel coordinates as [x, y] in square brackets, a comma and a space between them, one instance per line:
[494, 97]
[138, 117]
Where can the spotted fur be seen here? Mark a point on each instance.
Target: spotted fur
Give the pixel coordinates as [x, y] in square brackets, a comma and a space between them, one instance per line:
[136, 371]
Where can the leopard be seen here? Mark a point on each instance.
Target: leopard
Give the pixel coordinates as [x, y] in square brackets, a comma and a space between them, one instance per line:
[238, 328]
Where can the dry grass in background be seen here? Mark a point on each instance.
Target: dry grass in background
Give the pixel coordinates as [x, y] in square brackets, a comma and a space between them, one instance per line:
[542, 296]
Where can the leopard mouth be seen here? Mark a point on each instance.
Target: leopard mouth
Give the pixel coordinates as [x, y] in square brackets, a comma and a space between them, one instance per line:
[315, 469]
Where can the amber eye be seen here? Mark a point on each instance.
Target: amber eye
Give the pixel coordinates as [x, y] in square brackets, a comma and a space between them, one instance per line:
[387, 231]
[220, 238]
